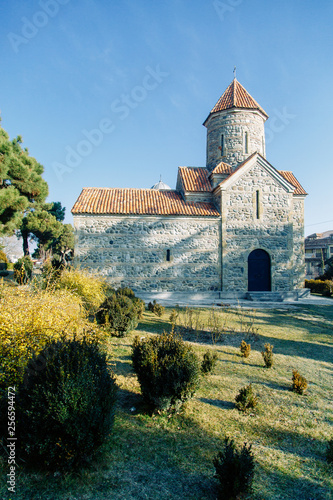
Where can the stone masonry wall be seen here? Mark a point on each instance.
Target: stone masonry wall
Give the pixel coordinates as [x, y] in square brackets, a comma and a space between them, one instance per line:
[298, 236]
[273, 232]
[132, 251]
[233, 124]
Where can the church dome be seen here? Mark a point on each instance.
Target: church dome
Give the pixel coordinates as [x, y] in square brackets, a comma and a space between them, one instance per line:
[160, 186]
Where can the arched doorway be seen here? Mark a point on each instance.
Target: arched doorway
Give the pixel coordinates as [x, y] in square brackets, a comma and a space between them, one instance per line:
[259, 271]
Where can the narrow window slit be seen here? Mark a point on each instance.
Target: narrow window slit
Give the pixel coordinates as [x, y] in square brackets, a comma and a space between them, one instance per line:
[222, 145]
[257, 205]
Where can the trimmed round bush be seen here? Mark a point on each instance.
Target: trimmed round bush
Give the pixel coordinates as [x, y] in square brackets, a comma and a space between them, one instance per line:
[23, 270]
[119, 315]
[65, 405]
[168, 370]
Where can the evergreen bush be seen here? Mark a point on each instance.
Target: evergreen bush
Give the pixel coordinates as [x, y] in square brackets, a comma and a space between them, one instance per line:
[234, 468]
[246, 398]
[23, 270]
[173, 317]
[66, 404]
[167, 369]
[118, 314]
[156, 308]
[267, 354]
[209, 361]
[299, 383]
[245, 349]
[138, 303]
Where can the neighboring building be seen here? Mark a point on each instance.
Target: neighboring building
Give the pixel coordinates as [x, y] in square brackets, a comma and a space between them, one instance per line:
[12, 246]
[318, 248]
[233, 226]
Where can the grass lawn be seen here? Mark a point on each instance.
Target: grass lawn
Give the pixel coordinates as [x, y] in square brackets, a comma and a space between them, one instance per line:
[156, 457]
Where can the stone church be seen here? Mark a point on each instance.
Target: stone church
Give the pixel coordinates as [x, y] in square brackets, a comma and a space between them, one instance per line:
[235, 226]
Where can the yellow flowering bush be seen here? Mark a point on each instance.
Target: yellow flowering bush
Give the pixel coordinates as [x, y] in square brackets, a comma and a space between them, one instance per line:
[86, 286]
[30, 319]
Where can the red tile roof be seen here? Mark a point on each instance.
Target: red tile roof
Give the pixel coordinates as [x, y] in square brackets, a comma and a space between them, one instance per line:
[222, 168]
[194, 179]
[138, 202]
[236, 96]
[289, 176]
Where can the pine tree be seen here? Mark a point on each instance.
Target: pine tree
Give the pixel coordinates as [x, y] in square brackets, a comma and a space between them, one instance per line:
[21, 184]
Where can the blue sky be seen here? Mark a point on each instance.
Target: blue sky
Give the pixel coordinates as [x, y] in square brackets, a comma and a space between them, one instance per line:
[114, 93]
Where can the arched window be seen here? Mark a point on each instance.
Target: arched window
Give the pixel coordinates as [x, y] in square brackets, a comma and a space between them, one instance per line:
[168, 255]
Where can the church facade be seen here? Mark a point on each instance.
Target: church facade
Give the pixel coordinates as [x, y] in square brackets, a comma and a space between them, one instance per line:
[234, 226]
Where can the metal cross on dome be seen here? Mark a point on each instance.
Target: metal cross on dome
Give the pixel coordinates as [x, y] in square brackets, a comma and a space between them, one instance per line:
[234, 71]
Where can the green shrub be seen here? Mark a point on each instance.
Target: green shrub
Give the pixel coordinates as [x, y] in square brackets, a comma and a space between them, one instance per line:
[329, 451]
[246, 398]
[23, 270]
[245, 349]
[173, 317]
[299, 383]
[138, 303]
[156, 308]
[209, 361]
[118, 314]
[267, 354]
[65, 405]
[168, 370]
[234, 468]
[324, 288]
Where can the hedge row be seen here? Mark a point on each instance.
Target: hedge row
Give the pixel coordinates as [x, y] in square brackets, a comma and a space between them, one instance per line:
[325, 288]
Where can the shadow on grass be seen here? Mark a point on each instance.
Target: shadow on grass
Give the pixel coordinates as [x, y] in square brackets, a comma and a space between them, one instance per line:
[226, 405]
[130, 401]
[276, 386]
[293, 442]
[279, 484]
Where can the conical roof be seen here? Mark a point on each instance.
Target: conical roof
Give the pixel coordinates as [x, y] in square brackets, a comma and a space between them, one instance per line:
[236, 96]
